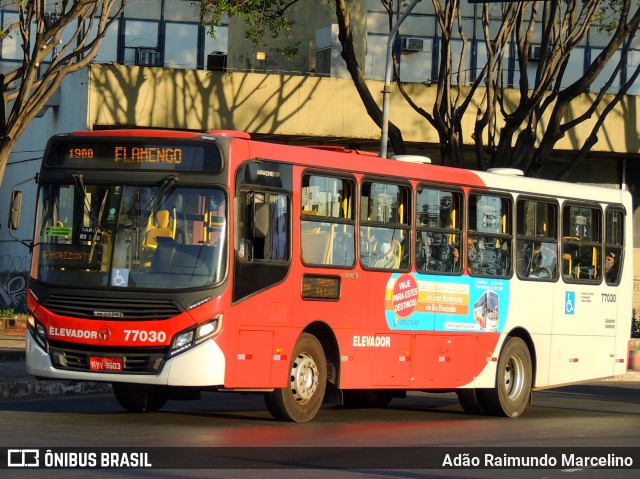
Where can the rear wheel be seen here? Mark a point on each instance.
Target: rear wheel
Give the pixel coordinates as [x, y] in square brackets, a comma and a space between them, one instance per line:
[469, 401]
[138, 397]
[511, 395]
[301, 399]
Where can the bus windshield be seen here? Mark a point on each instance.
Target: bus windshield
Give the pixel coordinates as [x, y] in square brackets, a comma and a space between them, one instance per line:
[130, 237]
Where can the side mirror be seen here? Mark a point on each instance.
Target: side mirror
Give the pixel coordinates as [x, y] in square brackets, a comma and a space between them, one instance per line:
[15, 210]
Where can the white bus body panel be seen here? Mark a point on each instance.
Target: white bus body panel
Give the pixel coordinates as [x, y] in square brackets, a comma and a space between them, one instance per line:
[203, 365]
[580, 331]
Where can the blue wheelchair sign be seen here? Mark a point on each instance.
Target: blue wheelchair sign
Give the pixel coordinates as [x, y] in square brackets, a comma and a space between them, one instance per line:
[570, 302]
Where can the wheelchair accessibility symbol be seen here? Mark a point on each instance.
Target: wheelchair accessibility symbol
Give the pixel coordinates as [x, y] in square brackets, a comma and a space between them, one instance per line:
[569, 302]
[120, 277]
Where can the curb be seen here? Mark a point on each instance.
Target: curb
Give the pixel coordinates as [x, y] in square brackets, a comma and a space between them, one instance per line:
[33, 388]
[7, 355]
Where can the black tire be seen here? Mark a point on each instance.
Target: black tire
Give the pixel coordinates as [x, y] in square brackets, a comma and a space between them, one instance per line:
[301, 399]
[139, 398]
[469, 401]
[367, 398]
[512, 393]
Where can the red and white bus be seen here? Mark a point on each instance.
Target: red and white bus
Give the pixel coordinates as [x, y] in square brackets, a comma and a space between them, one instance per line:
[170, 263]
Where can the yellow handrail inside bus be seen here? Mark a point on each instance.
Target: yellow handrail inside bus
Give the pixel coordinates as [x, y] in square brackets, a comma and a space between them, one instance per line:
[567, 257]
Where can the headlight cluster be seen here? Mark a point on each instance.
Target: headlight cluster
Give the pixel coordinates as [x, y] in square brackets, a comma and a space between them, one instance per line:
[193, 336]
[37, 331]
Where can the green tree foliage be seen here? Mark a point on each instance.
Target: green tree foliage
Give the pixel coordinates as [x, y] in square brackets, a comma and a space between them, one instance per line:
[262, 17]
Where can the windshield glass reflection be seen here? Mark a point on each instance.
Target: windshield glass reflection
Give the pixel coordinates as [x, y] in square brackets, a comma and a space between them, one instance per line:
[130, 236]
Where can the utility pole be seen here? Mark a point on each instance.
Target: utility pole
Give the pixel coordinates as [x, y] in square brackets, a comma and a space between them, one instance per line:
[384, 135]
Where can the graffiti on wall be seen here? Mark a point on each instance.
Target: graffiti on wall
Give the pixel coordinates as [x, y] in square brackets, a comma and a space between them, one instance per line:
[13, 282]
[13, 291]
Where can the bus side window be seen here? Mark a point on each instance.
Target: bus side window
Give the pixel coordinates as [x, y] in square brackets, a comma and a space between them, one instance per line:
[438, 230]
[263, 227]
[489, 246]
[581, 243]
[327, 224]
[385, 226]
[614, 242]
[536, 240]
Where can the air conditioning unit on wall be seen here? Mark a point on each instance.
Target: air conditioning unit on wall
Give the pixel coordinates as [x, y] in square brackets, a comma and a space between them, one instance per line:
[411, 44]
[147, 57]
[535, 53]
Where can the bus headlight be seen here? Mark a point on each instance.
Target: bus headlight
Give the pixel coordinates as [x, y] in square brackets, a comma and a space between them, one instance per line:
[38, 331]
[182, 340]
[189, 338]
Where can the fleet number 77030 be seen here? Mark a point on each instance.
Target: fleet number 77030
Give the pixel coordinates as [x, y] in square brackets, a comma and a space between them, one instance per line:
[145, 336]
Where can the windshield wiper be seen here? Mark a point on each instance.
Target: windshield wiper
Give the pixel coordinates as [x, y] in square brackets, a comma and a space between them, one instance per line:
[95, 226]
[79, 181]
[97, 230]
[167, 183]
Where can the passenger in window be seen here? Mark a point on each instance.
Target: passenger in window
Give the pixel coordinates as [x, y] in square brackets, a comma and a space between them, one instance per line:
[544, 261]
[610, 268]
[343, 253]
[487, 256]
[447, 257]
[523, 263]
[473, 256]
[422, 255]
[444, 257]
[391, 254]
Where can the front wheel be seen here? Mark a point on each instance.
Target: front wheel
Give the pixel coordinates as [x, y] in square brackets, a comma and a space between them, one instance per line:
[138, 397]
[511, 395]
[301, 399]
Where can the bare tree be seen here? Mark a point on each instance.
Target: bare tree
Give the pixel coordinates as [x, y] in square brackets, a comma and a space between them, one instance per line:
[270, 16]
[505, 133]
[625, 29]
[562, 27]
[46, 59]
[453, 92]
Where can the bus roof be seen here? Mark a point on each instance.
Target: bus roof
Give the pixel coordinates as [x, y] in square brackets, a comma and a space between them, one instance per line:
[351, 160]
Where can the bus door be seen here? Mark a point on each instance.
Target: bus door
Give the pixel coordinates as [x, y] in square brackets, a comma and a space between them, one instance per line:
[262, 258]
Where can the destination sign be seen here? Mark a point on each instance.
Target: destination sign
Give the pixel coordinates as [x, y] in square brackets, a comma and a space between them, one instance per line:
[70, 256]
[133, 153]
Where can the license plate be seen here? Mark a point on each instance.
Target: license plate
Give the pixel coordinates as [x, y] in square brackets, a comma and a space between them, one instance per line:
[105, 364]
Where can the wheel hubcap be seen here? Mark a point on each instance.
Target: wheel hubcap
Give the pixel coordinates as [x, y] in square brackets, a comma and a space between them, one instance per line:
[304, 378]
[514, 377]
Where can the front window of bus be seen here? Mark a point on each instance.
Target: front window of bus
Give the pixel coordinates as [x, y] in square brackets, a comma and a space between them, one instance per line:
[124, 236]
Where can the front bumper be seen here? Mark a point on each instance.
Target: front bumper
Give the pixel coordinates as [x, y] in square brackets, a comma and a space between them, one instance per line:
[203, 365]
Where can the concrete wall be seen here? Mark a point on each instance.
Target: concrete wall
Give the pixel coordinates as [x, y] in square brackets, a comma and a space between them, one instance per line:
[299, 105]
[67, 114]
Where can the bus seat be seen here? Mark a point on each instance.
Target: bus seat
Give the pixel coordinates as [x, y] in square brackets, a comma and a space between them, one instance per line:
[161, 228]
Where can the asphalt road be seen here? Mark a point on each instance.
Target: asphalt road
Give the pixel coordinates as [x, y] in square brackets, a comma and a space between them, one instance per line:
[603, 416]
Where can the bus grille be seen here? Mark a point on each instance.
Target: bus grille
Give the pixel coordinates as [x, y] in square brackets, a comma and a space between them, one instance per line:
[149, 361]
[125, 309]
